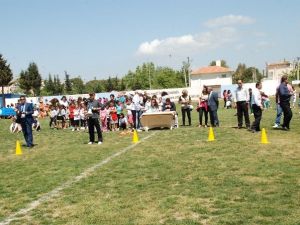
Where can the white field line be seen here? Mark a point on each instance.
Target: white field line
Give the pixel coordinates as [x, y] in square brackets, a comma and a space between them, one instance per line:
[56, 192]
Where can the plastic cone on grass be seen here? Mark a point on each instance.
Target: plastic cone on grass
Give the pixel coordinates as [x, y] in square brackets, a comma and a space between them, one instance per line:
[18, 148]
[211, 135]
[135, 138]
[264, 138]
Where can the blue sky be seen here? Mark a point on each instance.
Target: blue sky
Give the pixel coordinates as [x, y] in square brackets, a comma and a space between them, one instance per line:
[109, 37]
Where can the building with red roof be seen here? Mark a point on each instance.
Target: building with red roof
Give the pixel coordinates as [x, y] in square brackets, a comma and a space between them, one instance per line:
[213, 76]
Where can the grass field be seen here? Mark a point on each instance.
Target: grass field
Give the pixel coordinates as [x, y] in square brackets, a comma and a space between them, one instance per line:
[173, 177]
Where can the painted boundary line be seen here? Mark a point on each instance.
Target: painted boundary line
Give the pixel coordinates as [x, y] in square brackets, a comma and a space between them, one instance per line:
[56, 192]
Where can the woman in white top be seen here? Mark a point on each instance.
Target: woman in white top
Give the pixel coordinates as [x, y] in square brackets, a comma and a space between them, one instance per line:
[154, 107]
[185, 101]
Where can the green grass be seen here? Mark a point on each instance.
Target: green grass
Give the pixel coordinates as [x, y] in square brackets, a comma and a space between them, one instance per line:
[174, 177]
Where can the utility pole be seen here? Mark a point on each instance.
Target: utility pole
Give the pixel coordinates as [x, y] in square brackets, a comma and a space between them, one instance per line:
[149, 76]
[189, 74]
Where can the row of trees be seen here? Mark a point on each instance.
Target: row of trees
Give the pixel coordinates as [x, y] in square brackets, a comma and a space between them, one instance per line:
[145, 76]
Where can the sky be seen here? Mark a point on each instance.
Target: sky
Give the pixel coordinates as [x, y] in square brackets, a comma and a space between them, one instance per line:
[97, 39]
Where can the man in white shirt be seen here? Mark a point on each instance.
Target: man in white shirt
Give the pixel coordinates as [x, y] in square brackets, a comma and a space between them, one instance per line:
[257, 107]
[136, 109]
[241, 99]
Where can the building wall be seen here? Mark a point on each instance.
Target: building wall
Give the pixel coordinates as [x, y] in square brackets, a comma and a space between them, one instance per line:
[197, 81]
[277, 73]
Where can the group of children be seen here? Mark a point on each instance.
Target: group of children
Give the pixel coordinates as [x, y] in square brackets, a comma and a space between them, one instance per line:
[75, 115]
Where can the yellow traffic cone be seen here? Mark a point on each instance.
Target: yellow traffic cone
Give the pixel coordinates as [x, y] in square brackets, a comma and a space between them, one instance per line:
[211, 136]
[264, 138]
[135, 138]
[18, 148]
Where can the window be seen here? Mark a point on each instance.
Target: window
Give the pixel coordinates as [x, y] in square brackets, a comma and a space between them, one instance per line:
[223, 75]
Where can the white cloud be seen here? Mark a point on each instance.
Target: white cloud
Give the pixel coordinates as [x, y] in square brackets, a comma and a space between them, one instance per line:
[229, 20]
[220, 32]
[204, 40]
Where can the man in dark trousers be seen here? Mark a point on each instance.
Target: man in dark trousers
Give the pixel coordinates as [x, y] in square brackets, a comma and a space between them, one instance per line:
[213, 105]
[241, 99]
[93, 107]
[284, 101]
[257, 107]
[24, 112]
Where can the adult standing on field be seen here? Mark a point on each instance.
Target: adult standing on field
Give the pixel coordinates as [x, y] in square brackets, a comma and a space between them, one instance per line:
[241, 100]
[24, 112]
[213, 105]
[257, 107]
[93, 107]
[284, 98]
[185, 102]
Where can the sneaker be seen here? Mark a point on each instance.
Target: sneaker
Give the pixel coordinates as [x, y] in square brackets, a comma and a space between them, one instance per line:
[275, 125]
[90, 143]
[99, 142]
[73, 129]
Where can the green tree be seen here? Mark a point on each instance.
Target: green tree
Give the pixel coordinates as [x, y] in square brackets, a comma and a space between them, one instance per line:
[49, 87]
[68, 84]
[122, 85]
[109, 85]
[94, 86]
[240, 70]
[58, 86]
[116, 83]
[6, 76]
[31, 80]
[25, 82]
[247, 74]
[77, 85]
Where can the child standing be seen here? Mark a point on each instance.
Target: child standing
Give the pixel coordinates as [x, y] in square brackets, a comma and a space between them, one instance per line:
[119, 108]
[53, 114]
[83, 111]
[129, 113]
[76, 118]
[113, 116]
[103, 117]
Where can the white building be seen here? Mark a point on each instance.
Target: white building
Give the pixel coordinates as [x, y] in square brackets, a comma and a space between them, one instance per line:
[213, 76]
[276, 70]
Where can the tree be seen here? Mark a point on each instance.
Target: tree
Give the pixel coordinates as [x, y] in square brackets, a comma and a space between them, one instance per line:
[95, 86]
[77, 85]
[31, 80]
[6, 76]
[49, 87]
[68, 84]
[109, 85]
[122, 85]
[25, 82]
[223, 63]
[58, 86]
[116, 84]
[240, 70]
[36, 78]
[247, 75]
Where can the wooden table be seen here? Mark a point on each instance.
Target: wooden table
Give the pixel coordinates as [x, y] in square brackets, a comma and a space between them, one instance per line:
[158, 120]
